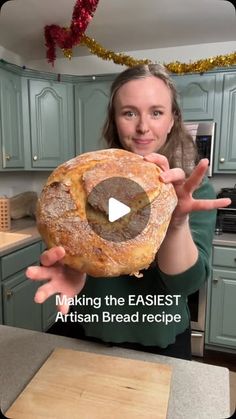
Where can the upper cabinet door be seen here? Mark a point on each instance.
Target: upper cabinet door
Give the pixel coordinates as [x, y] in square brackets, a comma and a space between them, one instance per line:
[196, 96]
[226, 159]
[51, 120]
[91, 100]
[11, 132]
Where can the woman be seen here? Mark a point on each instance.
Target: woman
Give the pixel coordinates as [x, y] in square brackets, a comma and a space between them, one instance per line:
[144, 118]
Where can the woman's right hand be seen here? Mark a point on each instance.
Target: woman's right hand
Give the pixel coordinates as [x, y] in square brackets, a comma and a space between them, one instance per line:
[60, 278]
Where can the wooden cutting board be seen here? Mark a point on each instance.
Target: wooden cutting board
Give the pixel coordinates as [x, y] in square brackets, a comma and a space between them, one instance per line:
[73, 384]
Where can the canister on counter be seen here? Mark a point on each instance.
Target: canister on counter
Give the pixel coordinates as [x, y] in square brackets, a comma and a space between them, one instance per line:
[5, 215]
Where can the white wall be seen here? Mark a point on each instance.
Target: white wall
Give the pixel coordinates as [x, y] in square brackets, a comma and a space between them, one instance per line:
[223, 181]
[10, 57]
[93, 65]
[13, 183]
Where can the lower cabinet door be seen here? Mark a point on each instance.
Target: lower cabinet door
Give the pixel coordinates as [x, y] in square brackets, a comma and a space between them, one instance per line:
[49, 312]
[223, 311]
[19, 308]
[1, 303]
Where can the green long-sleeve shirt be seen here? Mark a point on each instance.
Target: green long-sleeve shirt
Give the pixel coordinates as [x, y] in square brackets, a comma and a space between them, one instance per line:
[153, 309]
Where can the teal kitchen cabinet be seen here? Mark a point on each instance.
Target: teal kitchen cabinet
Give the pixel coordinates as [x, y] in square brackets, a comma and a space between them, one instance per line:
[49, 309]
[48, 122]
[19, 308]
[225, 161]
[196, 95]
[1, 319]
[91, 100]
[49, 312]
[222, 314]
[11, 123]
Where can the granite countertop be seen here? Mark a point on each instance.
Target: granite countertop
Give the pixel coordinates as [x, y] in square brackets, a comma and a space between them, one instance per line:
[198, 391]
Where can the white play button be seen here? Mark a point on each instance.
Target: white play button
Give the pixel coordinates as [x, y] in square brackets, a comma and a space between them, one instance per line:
[116, 209]
[121, 200]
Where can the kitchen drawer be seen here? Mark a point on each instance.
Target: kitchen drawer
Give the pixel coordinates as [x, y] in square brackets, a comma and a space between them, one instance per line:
[20, 259]
[224, 256]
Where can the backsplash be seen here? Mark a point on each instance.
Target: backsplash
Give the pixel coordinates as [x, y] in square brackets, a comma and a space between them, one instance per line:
[223, 181]
[12, 183]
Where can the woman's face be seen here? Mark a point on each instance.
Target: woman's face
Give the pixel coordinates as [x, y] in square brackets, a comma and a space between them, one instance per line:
[143, 115]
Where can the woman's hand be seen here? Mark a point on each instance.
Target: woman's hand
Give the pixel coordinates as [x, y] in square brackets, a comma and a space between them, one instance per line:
[184, 188]
[178, 252]
[61, 279]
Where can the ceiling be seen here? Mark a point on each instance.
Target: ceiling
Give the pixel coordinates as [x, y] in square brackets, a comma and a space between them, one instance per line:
[119, 25]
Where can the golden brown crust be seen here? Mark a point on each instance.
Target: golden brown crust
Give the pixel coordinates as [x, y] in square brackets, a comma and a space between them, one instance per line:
[61, 213]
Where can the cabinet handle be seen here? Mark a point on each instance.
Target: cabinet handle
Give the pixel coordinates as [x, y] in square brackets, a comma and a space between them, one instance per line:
[215, 280]
[9, 293]
[7, 157]
[222, 160]
[35, 158]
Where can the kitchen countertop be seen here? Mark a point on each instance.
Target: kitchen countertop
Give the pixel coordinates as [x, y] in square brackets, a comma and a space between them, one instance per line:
[198, 391]
[24, 232]
[225, 239]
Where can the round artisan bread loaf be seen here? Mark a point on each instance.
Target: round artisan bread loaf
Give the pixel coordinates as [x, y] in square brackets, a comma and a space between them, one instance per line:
[67, 198]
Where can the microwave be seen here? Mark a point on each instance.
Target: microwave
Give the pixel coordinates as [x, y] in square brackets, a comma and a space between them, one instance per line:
[203, 134]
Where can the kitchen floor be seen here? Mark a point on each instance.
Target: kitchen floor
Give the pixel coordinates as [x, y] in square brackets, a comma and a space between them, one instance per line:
[226, 360]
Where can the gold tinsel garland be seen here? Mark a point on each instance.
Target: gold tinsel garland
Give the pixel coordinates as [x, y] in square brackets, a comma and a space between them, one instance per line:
[203, 65]
[107, 54]
[177, 67]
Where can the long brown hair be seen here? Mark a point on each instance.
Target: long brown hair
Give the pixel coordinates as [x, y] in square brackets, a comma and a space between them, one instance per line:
[179, 147]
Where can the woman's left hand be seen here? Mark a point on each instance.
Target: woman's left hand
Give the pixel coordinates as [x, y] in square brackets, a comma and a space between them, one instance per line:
[184, 188]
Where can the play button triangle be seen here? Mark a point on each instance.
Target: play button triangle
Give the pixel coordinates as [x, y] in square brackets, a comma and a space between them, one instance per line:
[116, 210]
[118, 199]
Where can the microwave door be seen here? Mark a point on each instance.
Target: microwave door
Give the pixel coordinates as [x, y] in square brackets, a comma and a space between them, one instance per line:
[203, 134]
[204, 146]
